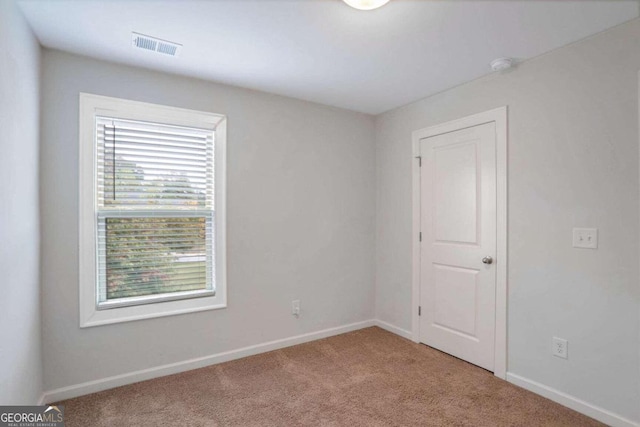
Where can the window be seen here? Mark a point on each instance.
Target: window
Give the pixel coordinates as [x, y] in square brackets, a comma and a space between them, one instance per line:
[152, 214]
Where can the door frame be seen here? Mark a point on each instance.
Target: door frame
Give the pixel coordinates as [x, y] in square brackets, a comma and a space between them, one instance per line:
[499, 117]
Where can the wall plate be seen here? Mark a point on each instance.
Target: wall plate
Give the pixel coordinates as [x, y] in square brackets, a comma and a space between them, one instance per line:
[585, 238]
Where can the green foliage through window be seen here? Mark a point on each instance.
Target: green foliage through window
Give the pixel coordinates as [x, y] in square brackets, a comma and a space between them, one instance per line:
[155, 209]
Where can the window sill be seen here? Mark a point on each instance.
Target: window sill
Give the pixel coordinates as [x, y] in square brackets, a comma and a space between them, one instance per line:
[95, 317]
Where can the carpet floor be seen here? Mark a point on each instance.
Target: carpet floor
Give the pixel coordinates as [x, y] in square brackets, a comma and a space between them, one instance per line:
[367, 378]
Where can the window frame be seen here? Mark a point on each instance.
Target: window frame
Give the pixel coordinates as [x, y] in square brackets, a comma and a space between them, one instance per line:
[91, 106]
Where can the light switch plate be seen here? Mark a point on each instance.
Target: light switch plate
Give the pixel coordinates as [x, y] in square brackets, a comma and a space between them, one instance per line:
[586, 238]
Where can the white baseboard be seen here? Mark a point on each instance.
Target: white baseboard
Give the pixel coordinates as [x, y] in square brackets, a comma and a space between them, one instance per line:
[394, 329]
[569, 401]
[200, 362]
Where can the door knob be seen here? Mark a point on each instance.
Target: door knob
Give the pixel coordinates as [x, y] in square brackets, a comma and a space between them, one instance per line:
[487, 260]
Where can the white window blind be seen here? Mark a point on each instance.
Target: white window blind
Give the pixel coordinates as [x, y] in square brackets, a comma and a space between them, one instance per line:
[155, 212]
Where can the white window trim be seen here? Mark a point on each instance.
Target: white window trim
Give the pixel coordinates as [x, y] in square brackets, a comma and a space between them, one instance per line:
[90, 106]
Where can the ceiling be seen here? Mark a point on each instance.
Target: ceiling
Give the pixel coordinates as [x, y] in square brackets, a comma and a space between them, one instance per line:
[323, 50]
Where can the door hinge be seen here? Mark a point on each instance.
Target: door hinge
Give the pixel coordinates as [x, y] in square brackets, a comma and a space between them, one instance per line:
[420, 236]
[419, 161]
[419, 311]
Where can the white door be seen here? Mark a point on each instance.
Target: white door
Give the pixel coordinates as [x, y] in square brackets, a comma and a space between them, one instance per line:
[458, 248]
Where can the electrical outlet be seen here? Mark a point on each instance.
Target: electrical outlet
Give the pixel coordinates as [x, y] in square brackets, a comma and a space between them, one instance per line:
[560, 348]
[586, 238]
[295, 307]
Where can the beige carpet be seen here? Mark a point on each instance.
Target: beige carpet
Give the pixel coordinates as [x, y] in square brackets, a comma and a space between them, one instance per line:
[364, 378]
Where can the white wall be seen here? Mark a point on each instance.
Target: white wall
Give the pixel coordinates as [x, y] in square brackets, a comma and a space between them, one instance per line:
[20, 354]
[573, 161]
[300, 222]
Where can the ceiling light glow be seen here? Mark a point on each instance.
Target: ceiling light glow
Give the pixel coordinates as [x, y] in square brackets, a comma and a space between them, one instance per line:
[366, 4]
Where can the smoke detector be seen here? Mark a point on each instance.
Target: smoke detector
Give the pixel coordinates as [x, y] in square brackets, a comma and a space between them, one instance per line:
[501, 64]
[155, 44]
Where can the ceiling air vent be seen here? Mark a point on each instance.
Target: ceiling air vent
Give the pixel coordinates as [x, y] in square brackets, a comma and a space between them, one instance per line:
[155, 45]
